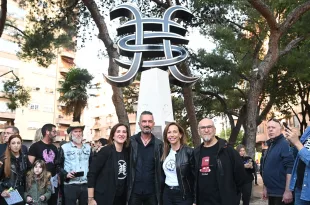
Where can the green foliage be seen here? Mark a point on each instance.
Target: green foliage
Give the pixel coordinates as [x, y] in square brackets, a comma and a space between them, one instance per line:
[16, 94]
[226, 133]
[74, 91]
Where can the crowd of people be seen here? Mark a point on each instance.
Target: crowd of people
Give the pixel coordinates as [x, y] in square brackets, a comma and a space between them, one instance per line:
[143, 170]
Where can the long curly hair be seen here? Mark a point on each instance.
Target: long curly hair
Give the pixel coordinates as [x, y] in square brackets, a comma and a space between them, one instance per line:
[43, 179]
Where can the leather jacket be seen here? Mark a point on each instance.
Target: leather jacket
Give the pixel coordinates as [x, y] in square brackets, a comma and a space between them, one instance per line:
[185, 168]
[158, 151]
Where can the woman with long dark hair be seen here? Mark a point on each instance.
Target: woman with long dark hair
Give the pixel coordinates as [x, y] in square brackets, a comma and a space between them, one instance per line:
[107, 174]
[14, 168]
[248, 162]
[178, 167]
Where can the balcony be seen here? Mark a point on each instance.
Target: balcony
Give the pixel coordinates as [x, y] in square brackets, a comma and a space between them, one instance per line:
[64, 120]
[7, 115]
[63, 71]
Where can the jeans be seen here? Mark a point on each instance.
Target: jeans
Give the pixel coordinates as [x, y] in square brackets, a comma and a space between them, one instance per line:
[142, 199]
[175, 197]
[299, 201]
[246, 191]
[54, 197]
[273, 200]
[74, 192]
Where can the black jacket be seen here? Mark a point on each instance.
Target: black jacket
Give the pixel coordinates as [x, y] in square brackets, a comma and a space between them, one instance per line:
[230, 173]
[19, 168]
[185, 168]
[103, 172]
[158, 151]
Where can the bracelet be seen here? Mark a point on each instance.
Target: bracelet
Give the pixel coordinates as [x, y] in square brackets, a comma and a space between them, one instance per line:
[90, 197]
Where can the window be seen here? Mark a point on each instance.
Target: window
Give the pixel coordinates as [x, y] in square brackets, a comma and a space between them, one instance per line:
[36, 88]
[48, 108]
[49, 90]
[33, 106]
[33, 125]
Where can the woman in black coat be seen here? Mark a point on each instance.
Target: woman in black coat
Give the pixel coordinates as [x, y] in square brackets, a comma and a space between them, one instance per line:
[107, 174]
[178, 167]
[13, 169]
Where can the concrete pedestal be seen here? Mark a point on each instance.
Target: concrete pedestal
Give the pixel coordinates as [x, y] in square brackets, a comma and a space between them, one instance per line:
[155, 96]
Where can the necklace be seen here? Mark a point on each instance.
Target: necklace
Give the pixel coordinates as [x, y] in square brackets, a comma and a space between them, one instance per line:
[145, 142]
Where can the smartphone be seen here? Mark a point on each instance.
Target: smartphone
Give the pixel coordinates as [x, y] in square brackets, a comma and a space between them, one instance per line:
[286, 126]
[79, 174]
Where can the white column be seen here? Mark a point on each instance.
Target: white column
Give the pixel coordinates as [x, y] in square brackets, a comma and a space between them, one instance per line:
[155, 96]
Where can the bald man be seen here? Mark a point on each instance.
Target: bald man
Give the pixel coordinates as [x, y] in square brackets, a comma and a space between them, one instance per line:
[218, 167]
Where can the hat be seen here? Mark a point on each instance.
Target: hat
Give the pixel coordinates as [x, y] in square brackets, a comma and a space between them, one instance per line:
[74, 125]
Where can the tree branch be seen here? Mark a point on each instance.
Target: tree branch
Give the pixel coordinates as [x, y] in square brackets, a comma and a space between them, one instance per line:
[246, 29]
[223, 103]
[3, 13]
[294, 113]
[294, 16]
[161, 4]
[20, 31]
[292, 45]
[265, 11]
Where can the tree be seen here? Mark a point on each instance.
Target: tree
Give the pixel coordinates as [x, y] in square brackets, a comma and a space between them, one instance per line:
[16, 94]
[253, 22]
[74, 92]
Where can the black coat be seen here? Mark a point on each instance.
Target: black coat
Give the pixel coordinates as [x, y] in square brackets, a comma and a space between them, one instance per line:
[185, 168]
[103, 171]
[230, 173]
[158, 151]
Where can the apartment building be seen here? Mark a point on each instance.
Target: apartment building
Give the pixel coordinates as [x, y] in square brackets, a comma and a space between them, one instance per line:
[43, 83]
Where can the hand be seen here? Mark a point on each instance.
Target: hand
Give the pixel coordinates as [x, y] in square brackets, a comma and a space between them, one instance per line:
[42, 198]
[5, 194]
[91, 201]
[293, 135]
[287, 197]
[265, 195]
[29, 199]
[1, 163]
[70, 175]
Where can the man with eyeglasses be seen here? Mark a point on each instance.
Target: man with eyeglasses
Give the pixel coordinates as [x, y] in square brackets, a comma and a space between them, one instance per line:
[277, 166]
[219, 169]
[47, 151]
[8, 132]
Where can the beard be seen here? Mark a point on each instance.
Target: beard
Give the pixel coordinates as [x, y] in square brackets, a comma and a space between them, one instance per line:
[207, 139]
[146, 131]
[77, 140]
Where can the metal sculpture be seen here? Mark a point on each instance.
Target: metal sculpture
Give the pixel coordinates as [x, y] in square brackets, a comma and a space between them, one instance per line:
[145, 38]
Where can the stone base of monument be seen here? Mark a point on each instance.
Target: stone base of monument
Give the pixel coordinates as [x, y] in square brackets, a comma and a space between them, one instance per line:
[155, 96]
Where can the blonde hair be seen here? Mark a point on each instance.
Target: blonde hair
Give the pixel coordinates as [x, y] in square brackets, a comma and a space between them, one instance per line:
[38, 136]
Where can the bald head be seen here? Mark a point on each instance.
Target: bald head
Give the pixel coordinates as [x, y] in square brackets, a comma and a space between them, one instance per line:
[206, 129]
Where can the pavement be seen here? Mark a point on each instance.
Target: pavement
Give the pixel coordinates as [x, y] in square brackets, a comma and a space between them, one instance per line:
[257, 192]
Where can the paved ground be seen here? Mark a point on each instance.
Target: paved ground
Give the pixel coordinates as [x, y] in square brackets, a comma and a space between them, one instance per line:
[257, 193]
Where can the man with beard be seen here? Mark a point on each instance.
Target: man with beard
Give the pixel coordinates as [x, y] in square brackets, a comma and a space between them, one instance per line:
[145, 166]
[45, 150]
[219, 169]
[74, 160]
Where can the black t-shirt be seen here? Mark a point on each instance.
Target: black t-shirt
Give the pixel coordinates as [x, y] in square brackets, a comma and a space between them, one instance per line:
[209, 193]
[122, 173]
[302, 167]
[46, 152]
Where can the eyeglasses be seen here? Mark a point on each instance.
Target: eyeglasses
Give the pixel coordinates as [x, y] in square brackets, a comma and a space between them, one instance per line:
[206, 127]
[8, 133]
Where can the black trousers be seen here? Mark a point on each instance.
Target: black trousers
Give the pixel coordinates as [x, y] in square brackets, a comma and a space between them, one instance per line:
[74, 192]
[273, 200]
[142, 199]
[245, 194]
[54, 197]
[175, 197]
